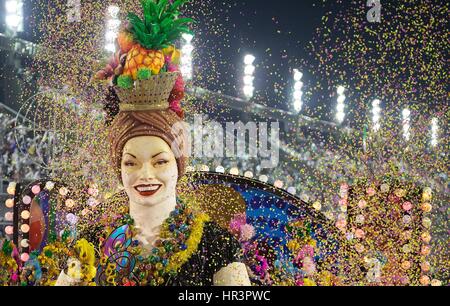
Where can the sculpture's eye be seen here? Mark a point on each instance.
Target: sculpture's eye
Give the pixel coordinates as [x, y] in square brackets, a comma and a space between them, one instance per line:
[161, 162]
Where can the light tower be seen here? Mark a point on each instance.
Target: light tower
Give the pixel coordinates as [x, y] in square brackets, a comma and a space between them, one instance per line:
[298, 93]
[434, 132]
[14, 15]
[340, 114]
[112, 28]
[186, 57]
[376, 111]
[249, 71]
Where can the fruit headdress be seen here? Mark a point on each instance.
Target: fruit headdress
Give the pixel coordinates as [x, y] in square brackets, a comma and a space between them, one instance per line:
[144, 72]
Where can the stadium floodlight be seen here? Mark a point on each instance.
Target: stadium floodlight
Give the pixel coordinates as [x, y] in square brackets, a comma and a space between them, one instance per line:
[112, 28]
[249, 70]
[340, 108]
[14, 15]
[434, 132]
[186, 57]
[376, 115]
[249, 59]
[298, 93]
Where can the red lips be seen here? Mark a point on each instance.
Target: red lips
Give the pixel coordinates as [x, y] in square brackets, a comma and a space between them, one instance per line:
[147, 190]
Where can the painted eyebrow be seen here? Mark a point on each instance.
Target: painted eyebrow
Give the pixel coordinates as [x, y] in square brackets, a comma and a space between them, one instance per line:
[158, 154]
[131, 155]
[152, 156]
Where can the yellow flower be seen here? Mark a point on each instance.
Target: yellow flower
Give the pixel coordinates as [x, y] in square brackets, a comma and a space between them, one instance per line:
[89, 272]
[110, 280]
[103, 261]
[308, 282]
[111, 266]
[85, 251]
[109, 272]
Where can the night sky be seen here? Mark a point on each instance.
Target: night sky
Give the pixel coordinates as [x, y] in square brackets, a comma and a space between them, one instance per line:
[276, 32]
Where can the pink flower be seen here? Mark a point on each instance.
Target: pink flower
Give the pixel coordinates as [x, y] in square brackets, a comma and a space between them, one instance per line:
[171, 67]
[343, 202]
[299, 281]
[344, 188]
[179, 84]
[247, 231]
[262, 266]
[177, 93]
[236, 223]
[306, 251]
[175, 106]
[362, 204]
[14, 277]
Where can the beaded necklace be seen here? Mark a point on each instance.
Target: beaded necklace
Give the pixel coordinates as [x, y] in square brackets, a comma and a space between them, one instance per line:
[124, 263]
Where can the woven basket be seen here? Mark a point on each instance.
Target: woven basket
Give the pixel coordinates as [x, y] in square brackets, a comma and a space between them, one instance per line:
[151, 94]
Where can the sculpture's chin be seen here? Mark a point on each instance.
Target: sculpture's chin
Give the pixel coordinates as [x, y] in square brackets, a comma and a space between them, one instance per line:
[147, 198]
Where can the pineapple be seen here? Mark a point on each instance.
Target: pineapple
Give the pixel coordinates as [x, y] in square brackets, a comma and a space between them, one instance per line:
[157, 31]
[139, 57]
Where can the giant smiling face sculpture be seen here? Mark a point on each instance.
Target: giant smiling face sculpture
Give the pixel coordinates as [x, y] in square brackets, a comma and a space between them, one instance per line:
[149, 170]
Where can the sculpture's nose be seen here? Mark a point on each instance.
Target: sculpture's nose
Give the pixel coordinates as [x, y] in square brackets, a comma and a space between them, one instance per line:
[148, 172]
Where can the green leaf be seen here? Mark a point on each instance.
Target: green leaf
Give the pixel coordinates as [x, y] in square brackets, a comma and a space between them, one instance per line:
[153, 8]
[136, 22]
[155, 28]
[177, 4]
[160, 25]
[183, 30]
[173, 36]
[166, 24]
[183, 21]
[7, 248]
[161, 7]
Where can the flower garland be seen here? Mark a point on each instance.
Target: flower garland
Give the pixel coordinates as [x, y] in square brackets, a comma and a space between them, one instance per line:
[9, 267]
[178, 259]
[181, 234]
